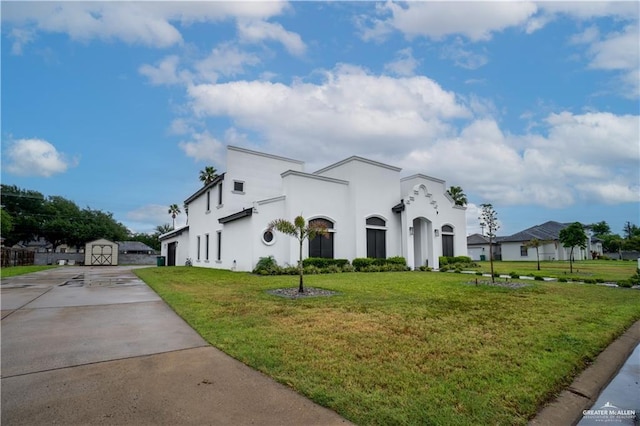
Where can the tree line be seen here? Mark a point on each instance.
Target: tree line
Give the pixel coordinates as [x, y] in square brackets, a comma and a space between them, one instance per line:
[28, 215]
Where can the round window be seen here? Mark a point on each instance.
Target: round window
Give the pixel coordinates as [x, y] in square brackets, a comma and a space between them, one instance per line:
[268, 237]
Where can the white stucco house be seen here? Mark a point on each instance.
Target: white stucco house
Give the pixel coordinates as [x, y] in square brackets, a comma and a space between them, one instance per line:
[368, 208]
[514, 247]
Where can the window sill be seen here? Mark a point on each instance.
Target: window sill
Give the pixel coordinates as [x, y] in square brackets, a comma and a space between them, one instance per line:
[238, 192]
[207, 212]
[219, 206]
[218, 261]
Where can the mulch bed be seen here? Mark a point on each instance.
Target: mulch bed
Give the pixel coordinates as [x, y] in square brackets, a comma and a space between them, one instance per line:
[292, 293]
[506, 284]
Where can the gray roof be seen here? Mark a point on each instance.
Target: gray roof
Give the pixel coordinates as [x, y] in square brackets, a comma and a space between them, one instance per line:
[547, 231]
[477, 239]
[133, 246]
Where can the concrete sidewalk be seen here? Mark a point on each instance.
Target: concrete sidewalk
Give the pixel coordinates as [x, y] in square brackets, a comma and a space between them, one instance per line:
[95, 345]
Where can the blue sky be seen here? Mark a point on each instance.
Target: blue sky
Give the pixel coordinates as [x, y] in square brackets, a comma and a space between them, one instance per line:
[530, 106]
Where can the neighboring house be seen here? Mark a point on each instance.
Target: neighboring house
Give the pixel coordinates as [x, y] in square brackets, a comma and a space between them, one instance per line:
[134, 247]
[42, 246]
[369, 210]
[478, 247]
[514, 247]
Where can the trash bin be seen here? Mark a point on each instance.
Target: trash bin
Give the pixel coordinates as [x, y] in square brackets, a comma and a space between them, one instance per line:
[483, 257]
[160, 260]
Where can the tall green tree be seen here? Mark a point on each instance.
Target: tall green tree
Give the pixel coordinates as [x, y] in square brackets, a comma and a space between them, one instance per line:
[26, 209]
[630, 230]
[489, 217]
[458, 195]
[302, 231]
[6, 223]
[174, 211]
[208, 175]
[600, 229]
[60, 220]
[573, 236]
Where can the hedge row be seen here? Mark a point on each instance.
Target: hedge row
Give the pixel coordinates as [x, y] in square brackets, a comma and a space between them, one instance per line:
[318, 265]
[450, 260]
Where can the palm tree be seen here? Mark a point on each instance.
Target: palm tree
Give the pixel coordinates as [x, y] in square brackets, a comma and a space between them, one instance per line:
[458, 195]
[536, 243]
[174, 211]
[163, 229]
[208, 175]
[300, 230]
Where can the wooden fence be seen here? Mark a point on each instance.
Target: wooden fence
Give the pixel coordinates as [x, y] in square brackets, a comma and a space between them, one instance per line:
[16, 257]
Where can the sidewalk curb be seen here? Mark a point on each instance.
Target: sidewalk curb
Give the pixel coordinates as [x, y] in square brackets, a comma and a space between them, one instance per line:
[585, 389]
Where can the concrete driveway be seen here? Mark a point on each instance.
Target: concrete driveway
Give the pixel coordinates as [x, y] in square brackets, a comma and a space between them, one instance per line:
[95, 345]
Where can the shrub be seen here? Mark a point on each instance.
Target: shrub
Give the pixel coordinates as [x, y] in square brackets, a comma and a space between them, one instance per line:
[289, 270]
[311, 270]
[625, 283]
[605, 257]
[322, 262]
[360, 263]
[332, 269]
[348, 268]
[590, 281]
[443, 260]
[538, 278]
[444, 269]
[599, 280]
[396, 260]
[371, 268]
[425, 268]
[478, 273]
[496, 274]
[514, 275]
[562, 280]
[462, 259]
[267, 266]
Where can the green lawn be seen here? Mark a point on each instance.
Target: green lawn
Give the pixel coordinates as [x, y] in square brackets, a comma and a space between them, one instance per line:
[21, 270]
[406, 348]
[608, 270]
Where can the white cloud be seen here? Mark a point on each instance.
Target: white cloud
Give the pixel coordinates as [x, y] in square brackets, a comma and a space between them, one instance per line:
[354, 110]
[256, 31]
[464, 57]
[225, 60]
[475, 20]
[593, 156]
[36, 157]
[166, 72]
[404, 65]
[203, 147]
[145, 23]
[146, 218]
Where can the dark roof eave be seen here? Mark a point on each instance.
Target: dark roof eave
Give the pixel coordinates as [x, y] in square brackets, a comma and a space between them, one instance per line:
[239, 215]
[398, 208]
[202, 190]
[173, 233]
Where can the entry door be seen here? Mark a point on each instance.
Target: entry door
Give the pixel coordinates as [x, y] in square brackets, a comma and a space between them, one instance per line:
[171, 252]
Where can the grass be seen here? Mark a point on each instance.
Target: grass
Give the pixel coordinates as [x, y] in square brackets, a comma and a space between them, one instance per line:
[405, 348]
[607, 270]
[12, 271]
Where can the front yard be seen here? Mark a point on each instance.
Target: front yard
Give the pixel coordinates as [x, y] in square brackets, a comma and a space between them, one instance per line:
[405, 347]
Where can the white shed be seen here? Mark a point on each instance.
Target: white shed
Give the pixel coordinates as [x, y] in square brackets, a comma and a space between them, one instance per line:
[101, 252]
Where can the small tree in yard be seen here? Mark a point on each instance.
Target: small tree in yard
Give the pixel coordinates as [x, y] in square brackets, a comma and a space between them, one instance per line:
[302, 231]
[573, 236]
[489, 217]
[536, 243]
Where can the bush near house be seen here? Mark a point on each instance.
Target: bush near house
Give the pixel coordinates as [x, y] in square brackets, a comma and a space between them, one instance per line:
[368, 264]
[321, 262]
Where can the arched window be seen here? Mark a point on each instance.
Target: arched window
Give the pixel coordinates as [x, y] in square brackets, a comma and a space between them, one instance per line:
[447, 240]
[376, 238]
[322, 245]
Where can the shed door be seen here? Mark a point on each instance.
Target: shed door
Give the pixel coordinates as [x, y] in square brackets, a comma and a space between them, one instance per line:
[102, 254]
